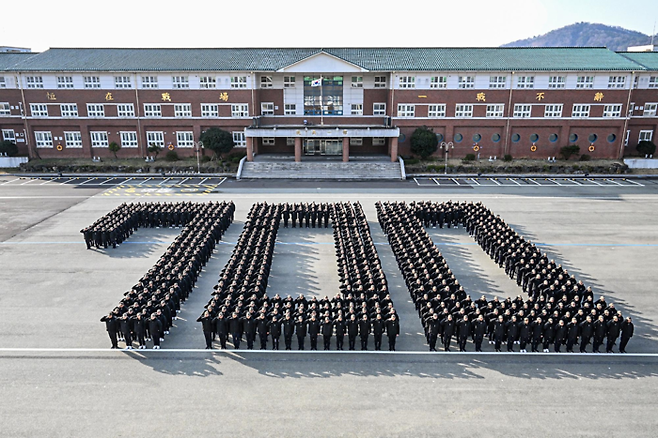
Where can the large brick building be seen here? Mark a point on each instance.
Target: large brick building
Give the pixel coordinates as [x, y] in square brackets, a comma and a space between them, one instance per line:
[527, 102]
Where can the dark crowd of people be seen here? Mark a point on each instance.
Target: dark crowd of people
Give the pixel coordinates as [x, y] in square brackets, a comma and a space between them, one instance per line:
[559, 311]
[241, 309]
[147, 311]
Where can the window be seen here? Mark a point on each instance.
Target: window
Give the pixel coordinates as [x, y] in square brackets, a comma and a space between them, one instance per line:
[185, 139]
[209, 110]
[645, 135]
[290, 109]
[44, 139]
[122, 82]
[525, 82]
[3, 83]
[180, 82]
[356, 141]
[580, 110]
[238, 82]
[288, 82]
[92, 82]
[380, 81]
[73, 139]
[95, 110]
[239, 139]
[585, 82]
[99, 139]
[616, 81]
[378, 109]
[522, 110]
[556, 81]
[39, 110]
[463, 110]
[266, 82]
[327, 99]
[152, 110]
[183, 110]
[207, 82]
[496, 110]
[128, 139]
[438, 82]
[267, 108]
[5, 109]
[69, 110]
[612, 110]
[438, 110]
[466, 82]
[357, 81]
[553, 111]
[290, 141]
[149, 82]
[357, 109]
[650, 109]
[125, 110]
[240, 110]
[155, 138]
[627, 137]
[268, 141]
[8, 135]
[407, 82]
[406, 110]
[34, 82]
[653, 82]
[497, 81]
[64, 82]
[378, 141]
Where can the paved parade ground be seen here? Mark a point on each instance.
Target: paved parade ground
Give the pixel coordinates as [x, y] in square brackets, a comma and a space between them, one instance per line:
[59, 377]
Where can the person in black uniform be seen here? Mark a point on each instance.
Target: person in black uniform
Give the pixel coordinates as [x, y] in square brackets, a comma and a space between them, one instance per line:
[463, 332]
[262, 327]
[433, 328]
[365, 327]
[479, 330]
[112, 327]
[221, 329]
[586, 332]
[340, 326]
[275, 332]
[392, 331]
[301, 330]
[614, 328]
[447, 331]
[378, 331]
[352, 331]
[207, 325]
[327, 332]
[155, 329]
[627, 330]
[313, 332]
[235, 327]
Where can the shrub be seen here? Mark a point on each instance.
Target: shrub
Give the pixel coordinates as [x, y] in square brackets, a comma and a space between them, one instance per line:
[205, 159]
[9, 148]
[217, 140]
[410, 161]
[468, 158]
[507, 158]
[585, 157]
[646, 148]
[171, 156]
[114, 147]
[424, 142]
[567, 152]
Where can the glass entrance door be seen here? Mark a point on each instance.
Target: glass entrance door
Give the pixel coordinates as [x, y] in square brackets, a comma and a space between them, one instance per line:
[328, 146]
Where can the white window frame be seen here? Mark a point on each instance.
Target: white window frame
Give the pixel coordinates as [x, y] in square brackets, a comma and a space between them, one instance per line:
[122, 82]
[5, 109]
[3, 82]
[439, 82]
[149, 82]
[379, 109]
[267, 141]
[92, 81]
[525, 82]
[155, 138]
[290, 141]
[356, 109]
[179, 82]
[38, 110]
[627, 137]
[466, 82]
[182, 110]
[497, 81]
[238, 82]
[34, 82]
[290, 109]
[522, 111]
[99, 139]
[407, 82]
[43, 139]
[585, 82]
[463, 110]
[9, 135]
[653, 82]
[612, 110]
[267, 108]
[209, 110]
[240, 110]
[153, 110]
[95, 110]
[553, 110]
[647, 134]
[289, 82]
[650, 109]
[266, 82]
[406, 110]
[125, 110]
[380, 81]
[69, 110]
[65, 82]
[557, 81]
[356, 141]
[436, 110]
[73, 139]
[580, 110]
[129, 139]
[616, 81]
[207, 82]
[185, 139]
[496, 110]
[378, 141]
[357, 81]
[239, 139]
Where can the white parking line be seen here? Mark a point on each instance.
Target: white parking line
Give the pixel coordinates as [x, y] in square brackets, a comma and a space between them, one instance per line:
[436, 181]
[45, 182]
[533, 181]
[11, 181]
[28, 181]
[475, 181]
[494, 181]
[597, 183]
[107, 181]
[612, 181]
[147, 179]
[515, 181]
[222, 181]
[456, 182]
[633, 182]
[207, 178]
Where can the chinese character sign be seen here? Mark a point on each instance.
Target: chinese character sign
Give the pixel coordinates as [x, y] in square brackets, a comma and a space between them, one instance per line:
[109, 96]
[481, 97]
[51, 96]
[166, 97]
[598, 97]
[223, 96]
[541, 96]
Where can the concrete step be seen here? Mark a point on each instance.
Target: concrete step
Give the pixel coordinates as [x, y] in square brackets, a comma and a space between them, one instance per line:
[321, 170]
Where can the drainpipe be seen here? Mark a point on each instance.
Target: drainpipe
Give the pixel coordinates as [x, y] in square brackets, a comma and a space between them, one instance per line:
[622, 137]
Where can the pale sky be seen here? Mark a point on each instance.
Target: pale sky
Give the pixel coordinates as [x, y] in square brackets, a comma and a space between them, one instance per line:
[41, 24]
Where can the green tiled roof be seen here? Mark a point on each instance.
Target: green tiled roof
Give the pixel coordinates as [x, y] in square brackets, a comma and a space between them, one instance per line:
[372, 59]
[648, 60]
[10, 59]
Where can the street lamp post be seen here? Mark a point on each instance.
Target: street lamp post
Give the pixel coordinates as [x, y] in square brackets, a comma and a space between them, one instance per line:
[197, 148]
[446, 147]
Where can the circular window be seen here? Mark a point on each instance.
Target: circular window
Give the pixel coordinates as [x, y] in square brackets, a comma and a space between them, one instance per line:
[573, 138]
[612, 138]
[534, 138]
[553, 138]
[477, 138]
[459, 138]
[495, 138]
[439, 137]
[592, 138]
[516, 138]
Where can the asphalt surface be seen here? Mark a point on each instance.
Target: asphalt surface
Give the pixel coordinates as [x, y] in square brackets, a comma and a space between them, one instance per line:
[54, 292]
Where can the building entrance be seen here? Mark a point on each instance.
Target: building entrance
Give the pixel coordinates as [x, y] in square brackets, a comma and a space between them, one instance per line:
[325, 146]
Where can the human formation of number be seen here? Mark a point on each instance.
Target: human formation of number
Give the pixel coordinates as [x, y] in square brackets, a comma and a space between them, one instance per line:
[559, 310]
